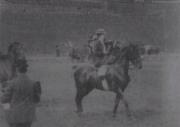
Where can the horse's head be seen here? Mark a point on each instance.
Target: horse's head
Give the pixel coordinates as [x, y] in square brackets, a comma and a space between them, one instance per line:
[128, 52]
[134, 55]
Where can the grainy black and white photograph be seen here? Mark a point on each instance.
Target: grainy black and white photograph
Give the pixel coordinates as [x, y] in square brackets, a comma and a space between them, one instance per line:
[89, 63]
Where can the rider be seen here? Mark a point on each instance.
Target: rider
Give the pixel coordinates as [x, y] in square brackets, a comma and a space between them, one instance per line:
[97, 46]
[100, 34]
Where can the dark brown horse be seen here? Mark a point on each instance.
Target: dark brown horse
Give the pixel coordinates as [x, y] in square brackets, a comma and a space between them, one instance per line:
[9, 61]
[116, 76]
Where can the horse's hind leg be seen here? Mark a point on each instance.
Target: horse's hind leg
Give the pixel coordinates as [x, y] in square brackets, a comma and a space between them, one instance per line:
[78, 100]
[116, 104]
[81, 93]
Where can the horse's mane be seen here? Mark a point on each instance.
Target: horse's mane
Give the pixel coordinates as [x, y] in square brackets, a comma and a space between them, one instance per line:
[120, 52]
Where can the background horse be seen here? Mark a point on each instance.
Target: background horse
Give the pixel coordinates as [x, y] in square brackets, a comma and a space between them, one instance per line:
[150, 50]
[86, 77]
[74, 54]
[79, 53]
[8, 62]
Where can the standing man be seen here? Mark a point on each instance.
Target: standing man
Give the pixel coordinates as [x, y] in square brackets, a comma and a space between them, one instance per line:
[20, 98]
[57, 51]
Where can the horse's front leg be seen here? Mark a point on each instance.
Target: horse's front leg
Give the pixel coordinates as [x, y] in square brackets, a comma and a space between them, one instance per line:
[126, 105]
[78, 100]
[119, 96]
[116, 103]
[81, 93]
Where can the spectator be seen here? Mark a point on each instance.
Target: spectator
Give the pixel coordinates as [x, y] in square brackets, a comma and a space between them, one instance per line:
[20, 98]
[57, 51]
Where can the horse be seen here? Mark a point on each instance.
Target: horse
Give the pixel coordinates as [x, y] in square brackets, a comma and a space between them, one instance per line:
[150, 50]
[74, 54]
[9, 61]
[79, 54]
[87, 77]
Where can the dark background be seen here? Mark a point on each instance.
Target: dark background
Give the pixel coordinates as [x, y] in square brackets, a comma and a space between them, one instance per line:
[41, 24]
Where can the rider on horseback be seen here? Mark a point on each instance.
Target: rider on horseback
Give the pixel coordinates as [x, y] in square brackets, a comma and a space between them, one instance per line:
[99, 49]
[97, 46]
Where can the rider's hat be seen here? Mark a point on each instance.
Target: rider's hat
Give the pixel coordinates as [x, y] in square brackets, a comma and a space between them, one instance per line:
[16, 43]
[100, 31]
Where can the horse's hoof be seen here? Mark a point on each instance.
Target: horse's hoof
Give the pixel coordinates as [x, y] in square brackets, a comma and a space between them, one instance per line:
[114, 115]
[129, 113]
[79, 112]
[131, 116]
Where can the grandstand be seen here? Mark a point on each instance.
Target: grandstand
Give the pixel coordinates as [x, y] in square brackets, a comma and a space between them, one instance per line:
[45, 25]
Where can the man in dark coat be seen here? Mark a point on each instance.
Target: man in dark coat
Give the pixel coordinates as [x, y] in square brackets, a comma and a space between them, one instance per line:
[20, 98]
[57, 51]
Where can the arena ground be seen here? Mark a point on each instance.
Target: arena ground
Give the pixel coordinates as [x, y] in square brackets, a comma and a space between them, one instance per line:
[153, 96]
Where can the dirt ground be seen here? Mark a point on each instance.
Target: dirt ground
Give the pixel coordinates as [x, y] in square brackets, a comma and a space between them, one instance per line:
[153, 96]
